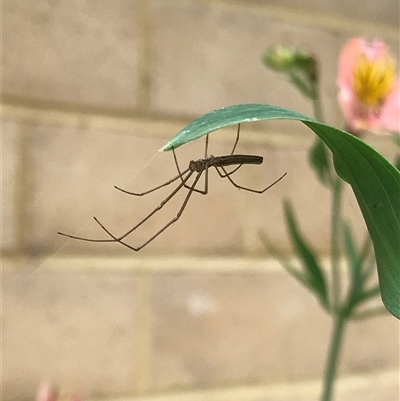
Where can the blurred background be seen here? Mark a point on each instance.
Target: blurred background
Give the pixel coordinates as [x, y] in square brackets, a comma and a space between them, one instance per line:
[91, 89]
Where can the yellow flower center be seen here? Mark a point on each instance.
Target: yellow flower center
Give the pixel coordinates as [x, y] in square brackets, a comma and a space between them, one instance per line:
[373, 80]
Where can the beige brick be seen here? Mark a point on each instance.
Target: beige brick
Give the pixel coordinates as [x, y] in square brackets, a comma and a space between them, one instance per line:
[75, 328]
[9, 167]
[368, 347]
[209, 56]
[74, 52]
[216, 328]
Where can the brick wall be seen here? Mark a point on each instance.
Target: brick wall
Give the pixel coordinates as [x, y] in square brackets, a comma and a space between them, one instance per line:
[91, 90]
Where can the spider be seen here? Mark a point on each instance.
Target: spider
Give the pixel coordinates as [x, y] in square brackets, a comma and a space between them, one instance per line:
[196, 168]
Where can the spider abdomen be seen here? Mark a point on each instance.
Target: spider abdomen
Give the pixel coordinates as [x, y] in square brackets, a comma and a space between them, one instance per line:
[223, 161]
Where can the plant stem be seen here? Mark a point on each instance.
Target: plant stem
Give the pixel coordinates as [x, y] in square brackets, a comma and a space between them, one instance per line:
[333, 357]
[316, 102]
[318, 110]
[335, 241]
[339, 314]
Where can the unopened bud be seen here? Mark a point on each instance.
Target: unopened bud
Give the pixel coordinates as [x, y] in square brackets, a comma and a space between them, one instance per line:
[279, 58]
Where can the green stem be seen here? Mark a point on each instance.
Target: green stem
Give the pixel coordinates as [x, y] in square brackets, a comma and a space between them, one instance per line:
[340, 317]
[317, 104]
[333, 357]
[335, 240]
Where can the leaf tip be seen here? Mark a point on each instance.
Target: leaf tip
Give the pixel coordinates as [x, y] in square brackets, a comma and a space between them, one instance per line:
[165, 148]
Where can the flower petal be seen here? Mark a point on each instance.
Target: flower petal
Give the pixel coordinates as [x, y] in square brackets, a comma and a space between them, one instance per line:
[390, 112]
[347, 59]
[347, 103]
[376, 50]
[47, 392]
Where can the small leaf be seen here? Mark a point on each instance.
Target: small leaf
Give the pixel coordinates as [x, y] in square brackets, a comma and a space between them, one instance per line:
[319, 160]
[359, 274]
[369, 313]
[304, 87]
[313, 271]
[369, 293]
[368, 258]
[354, 260]
[279, 58]
[296, 273]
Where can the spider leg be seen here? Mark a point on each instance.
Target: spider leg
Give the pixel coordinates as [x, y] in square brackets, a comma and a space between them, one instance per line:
[237, 140]
[118, 239]
[227, 175]
[178, 215]
[233, 150]
[205, 190]
[230, 172]
[153, 189]
[177, 164]
[199, 191]
[191, 187]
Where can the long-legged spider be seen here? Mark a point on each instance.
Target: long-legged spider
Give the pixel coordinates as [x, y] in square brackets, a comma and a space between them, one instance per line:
[197, 167]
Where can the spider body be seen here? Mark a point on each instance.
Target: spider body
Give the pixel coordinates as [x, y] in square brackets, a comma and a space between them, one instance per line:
[196, 168]
[201, 165]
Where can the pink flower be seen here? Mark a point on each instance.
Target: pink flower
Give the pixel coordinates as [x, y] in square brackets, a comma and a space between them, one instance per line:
[369, 91]
[51, 392]
[47, 392]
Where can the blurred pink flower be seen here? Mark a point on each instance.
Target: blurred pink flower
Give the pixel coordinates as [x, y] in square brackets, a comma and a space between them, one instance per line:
[51, 392]
[47, 392]
[369, 90]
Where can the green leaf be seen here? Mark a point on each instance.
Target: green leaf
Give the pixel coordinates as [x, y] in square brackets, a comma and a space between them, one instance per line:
[354, 260]
[301, 276]
[369, 293]
[369, 313]
[319, 160]
[295, 272]
[361, 263]
[229, 116]
[397, 162]
[313, 270]
[374, 180]
[302, 85]
[357, 289]
[368, 258]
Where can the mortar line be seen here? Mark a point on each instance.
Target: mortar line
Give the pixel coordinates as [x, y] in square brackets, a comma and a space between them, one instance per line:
[165, 263]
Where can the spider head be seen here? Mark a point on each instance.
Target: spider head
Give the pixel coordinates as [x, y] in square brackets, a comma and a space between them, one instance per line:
[197, 165]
